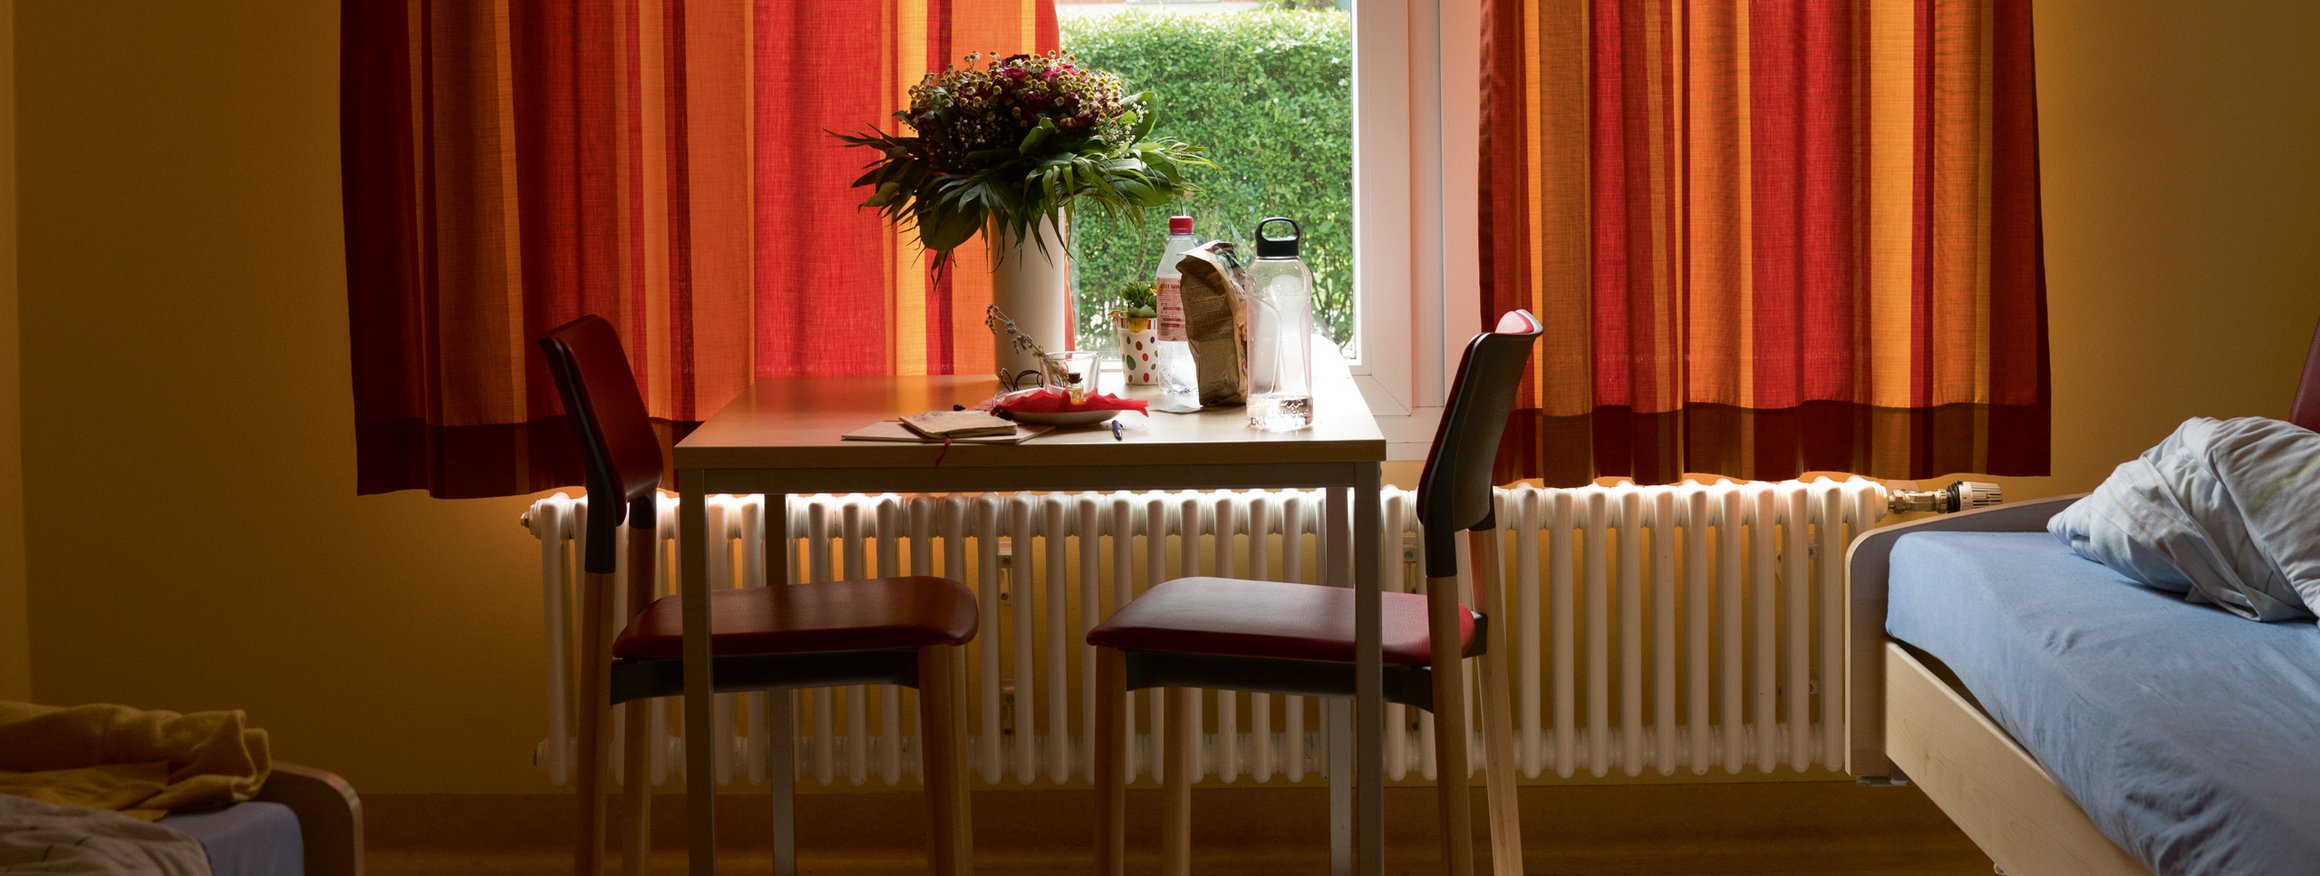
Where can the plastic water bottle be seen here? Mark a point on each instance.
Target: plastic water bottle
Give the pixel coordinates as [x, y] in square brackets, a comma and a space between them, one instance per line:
[1280, 396]
[1175, 365]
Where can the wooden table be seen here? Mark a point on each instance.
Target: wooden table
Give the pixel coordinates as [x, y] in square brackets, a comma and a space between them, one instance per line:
[782, 436]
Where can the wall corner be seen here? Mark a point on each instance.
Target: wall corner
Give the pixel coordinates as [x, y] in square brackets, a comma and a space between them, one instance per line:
[15, 604]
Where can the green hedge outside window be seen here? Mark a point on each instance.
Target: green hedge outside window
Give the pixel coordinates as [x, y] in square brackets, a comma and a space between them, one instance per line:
[1270, 96]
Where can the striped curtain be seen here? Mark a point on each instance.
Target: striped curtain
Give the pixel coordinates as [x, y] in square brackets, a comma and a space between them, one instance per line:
[666, 164]
[1767, 237]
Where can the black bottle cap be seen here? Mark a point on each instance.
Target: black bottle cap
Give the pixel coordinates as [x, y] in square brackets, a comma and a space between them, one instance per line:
[1278, 247]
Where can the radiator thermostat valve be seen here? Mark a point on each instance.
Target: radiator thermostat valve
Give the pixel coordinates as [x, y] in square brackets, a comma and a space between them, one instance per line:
[1958, 496]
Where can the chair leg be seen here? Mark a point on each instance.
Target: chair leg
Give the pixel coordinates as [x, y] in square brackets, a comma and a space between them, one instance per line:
[781, 777]
[1498, 767]
[1451, 764]
[636, 856]
[594, 709]
[1497, 716]
[1176, 813]
[1111, 751]
[1337, 713]
[945, 765]
[643, 570]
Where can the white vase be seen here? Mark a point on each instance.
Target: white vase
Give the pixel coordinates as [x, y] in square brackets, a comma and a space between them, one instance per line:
[1033, 287]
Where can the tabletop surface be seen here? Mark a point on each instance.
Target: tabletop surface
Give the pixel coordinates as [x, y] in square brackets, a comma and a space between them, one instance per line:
[796, 422]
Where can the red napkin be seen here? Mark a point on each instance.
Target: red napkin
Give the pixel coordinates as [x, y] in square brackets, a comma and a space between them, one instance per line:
[1037, 401]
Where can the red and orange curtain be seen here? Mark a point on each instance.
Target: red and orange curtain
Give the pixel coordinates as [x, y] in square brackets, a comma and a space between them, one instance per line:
[666, 164]
[1767, 237]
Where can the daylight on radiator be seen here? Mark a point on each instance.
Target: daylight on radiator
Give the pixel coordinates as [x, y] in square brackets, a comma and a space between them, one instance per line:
[1658, 630]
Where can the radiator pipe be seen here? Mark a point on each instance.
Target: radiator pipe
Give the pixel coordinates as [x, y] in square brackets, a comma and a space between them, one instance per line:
[1958, 496]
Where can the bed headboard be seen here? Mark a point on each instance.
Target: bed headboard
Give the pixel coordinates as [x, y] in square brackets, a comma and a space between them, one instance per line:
[2306, 413]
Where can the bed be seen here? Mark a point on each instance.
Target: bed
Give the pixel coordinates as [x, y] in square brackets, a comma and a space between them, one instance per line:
[2011, 679]
[302, 815]
[301, 821]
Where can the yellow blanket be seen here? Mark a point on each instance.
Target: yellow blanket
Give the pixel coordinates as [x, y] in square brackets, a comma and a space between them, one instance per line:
[142, 763]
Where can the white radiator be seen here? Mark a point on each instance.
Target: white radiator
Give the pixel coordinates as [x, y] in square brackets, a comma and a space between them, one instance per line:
[1665, 629]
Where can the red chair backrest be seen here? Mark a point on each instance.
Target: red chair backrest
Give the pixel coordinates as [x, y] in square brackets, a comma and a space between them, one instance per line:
[621, 453]
[2306, 413]
[1454, 489]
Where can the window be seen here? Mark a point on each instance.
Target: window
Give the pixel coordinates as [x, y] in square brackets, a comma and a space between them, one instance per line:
[1267, 89]
[1386, 140]
[1416, 119]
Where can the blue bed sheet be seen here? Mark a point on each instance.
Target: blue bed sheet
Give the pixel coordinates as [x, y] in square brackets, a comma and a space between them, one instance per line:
[2191, 736]
[247, 839]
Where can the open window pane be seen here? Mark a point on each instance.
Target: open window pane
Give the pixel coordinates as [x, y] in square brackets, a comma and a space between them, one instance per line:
[1267, 89]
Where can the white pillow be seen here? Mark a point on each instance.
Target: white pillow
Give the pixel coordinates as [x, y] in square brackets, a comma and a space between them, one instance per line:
[2223, 511]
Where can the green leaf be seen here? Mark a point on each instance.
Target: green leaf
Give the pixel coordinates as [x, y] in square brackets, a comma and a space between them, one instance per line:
[1162, 164]
[1035, 136]
[1138, 192]
[948, 227]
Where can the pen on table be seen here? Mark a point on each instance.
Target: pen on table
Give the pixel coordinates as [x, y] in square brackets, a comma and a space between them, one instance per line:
[1116, 431]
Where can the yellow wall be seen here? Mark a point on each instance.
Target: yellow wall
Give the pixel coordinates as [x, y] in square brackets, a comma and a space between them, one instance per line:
[15, 648]
[194, 537]
[2183, 279]
[196, 540]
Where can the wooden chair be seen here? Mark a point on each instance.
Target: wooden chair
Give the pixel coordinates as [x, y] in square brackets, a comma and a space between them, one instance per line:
[1294, 638]
[877, 631]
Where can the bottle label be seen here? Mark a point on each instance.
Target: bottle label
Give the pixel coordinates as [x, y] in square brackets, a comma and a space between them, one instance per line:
[1170, 293]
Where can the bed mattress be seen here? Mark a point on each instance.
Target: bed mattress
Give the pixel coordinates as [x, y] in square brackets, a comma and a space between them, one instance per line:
[247, 839]
[2185, 732]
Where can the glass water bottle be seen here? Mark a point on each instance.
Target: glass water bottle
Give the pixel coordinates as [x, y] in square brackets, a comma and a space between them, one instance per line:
[1280, 391]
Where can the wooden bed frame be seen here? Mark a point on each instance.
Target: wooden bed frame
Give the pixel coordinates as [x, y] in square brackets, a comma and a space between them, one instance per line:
[329, 817]
[1912, 722]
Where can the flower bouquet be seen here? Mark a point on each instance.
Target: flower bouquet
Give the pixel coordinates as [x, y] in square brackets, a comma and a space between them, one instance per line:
[1014, 145]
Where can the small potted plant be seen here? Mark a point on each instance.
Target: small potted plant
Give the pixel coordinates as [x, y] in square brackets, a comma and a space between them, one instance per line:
[1132, 324]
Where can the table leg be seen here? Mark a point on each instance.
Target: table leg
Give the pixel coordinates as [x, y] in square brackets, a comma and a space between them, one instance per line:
[781, 711]
[1337, 714]
[1369, 677]
[700, 703]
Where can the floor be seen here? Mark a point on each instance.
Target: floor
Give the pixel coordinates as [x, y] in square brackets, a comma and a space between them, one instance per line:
[1799, 861]
[1698, 829]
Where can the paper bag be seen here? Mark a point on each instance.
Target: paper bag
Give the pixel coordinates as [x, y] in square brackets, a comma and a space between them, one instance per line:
[1216, 321]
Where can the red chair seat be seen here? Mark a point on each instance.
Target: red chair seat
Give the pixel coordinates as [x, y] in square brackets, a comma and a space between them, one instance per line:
[1237, 618]
[868, 615]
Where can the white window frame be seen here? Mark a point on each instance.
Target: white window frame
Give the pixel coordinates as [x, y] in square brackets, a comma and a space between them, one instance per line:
[1417, 119]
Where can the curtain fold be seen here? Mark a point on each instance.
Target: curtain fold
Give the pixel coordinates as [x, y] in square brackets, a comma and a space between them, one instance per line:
[511, 165]
[1767, 237]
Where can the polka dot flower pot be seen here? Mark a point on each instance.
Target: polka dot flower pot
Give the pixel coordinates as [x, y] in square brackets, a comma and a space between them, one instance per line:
[1138, 340]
